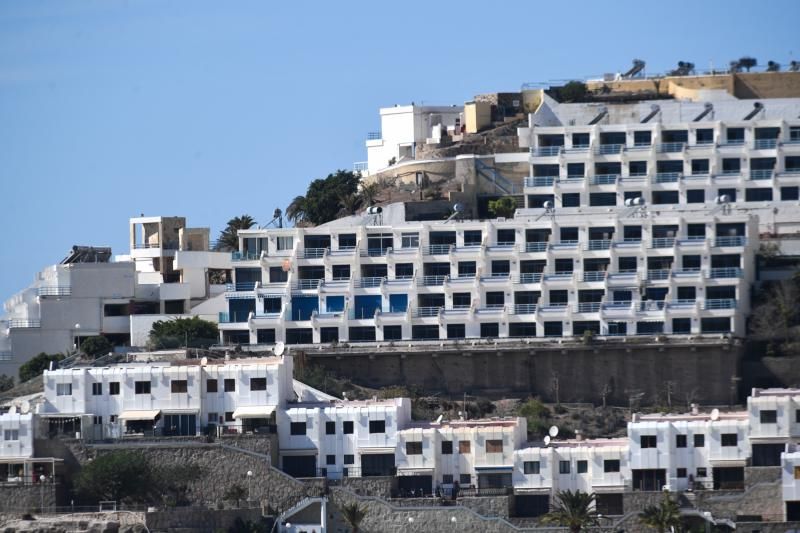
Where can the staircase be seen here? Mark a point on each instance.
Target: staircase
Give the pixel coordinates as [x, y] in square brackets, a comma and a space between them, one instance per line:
[501, 183]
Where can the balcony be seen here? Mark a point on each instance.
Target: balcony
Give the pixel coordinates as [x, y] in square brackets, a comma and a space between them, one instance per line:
[375, 252]
[18, 323]
[668, 148]
[431, 281]
[540, 181]
[423, 312]
[765, 144]
[564, 244]
[662, 242]
[724, 303]
[59, 290]
[559, 276]
[360, 166]
[530, 277]
[497, 277]
[605, 179]
[308, 284]
[626, 305]
[652, 305]
[730, 241]
[547, 151]
[762, 174]
[588, 307]
[667, 177]
[524, 309]
[598, 275]
[536, 246]
[245, 256]
[599, 244]
[368, 283]
[658, 275]
[609, 149]
[439, 249]
[681, 304]
[242, 286]
[728, 272]
[373, 135]
[313, 253]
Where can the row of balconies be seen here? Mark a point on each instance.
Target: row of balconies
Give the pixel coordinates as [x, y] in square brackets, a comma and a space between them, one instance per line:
[661, 148]
[657, 178]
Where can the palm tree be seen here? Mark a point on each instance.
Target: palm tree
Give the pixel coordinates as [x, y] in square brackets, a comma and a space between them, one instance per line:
[663, 516]
[350, 203]
[228, 240]
[574, 510]
[369, 192]
[296, 211]
[354, 514]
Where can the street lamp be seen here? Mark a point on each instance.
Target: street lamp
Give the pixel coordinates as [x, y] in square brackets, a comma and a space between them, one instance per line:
[249, 477]
[410, 519]
[78, 336]
[453, 519]
[41, 492]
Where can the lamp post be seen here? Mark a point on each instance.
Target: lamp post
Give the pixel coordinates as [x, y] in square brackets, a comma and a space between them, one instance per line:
[78, 336]
[41, 492]
[249, 477]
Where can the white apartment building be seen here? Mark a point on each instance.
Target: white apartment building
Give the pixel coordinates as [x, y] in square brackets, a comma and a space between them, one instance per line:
[168, 273]
[669, 153]
[405, 127]
[609, 271]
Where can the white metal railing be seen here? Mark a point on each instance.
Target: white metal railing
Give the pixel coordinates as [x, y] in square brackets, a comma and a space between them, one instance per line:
[671, 147]
[59, 290]
[765, 144]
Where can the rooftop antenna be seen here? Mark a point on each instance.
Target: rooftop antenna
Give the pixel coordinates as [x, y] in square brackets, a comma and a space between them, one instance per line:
[277, 218]
[715, 414]
[458, 212]
[279, 348]
[549, 210]
[723, 205]
[637, 208]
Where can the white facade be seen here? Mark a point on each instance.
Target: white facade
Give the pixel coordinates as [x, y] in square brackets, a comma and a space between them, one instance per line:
[402, 128]
[16, 436]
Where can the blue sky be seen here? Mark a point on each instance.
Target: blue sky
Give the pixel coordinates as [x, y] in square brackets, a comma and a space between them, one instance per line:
[210, 110]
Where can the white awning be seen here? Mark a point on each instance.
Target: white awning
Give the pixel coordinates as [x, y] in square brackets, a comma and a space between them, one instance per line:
[140, 415]
[255, 411]
[409, 471]
[375, 451]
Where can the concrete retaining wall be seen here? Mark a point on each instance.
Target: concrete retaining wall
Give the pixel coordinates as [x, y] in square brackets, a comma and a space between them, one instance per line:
[24, 498]
[198, 519]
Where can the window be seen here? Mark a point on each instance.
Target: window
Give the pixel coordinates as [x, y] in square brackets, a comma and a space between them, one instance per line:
[347, 427]
[141, 387]
[797, 472]
[701, 472]
[285, 243]
[462, 299]
[11, 434]
[790, 193]
[447, 447]
[340, 272]
[758, 195]
[414, 448]
[179, 386]
[531, 467]
[680, 441]
[447, 479]
[695, 196]
[473, 237]
[330, 460]
[349, 459]
[699, 167]
[571, 199]
[113, 388]
[258, 384]
[212, 418]
[768, 416]
[403, 270]
[330, 428]
[490, 330]
[465, 479]
[466, 269]
[647, 441]
[230, 385]
[730, 193]
[731, 165]
[211, 385]
[665, 197]
[637, 168]
[730, 439]
[112, 419]
[377, 426]
[603, 198]
[797, 416]
[704, 136]
[409, 240]
[97, 389]
[278, 275]
[583, 467]
[456, 331]
[464, 446]
[642, 138]
[563, 467]
[494, 446]
[98, 420]
[228, 416]
[735, 135]
[392, 333]
[699, 440]
[611, 465]
[347, 241]
[680, 473]
[580, 140]
[297, 428]
[64, 389]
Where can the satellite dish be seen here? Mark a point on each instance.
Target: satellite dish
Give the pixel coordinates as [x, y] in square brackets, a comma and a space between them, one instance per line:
[439, 419]
[12, 410]
[548, 205]
[553, 431]
[723, 199]
[375, 210]
[25, 408]
[286, 265]
[279, 348]
[715, 414]
[203, 361]
[458, 208]
[547, 440]
[629, 202]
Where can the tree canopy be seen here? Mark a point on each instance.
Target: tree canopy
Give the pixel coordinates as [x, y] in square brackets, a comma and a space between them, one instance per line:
[503, 207]
[325, 199]
[354, 514]
[191, 332]
[663, 516]
[228, 240]
[37, 365]
[574, 510]
[6, 383]
[96, 346]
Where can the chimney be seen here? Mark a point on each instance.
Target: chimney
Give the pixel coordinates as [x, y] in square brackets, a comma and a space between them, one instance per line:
[578, 435]
[695, 409]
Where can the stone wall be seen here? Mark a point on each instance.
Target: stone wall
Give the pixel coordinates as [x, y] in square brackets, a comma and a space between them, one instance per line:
[754, 475]
[380, 487]
[24, 498]
[763, 499]
[199, 519]
[768, 527]
[702, 371]
[488, 505]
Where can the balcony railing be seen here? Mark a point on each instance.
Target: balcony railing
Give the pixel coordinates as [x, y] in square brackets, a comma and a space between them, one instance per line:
[24, 323]
[599, 244]
[560, 275]
[431, 281]
[374, 252]
[728, 272]
[618, 305]
[524, 309]
[666, 148]
[427, 311]
[368, 283]
[721, 303]
[439, 249]
[540, 181]
[245, 256]
[662, 242]
[360, 166]
[607, 149]
[730, 241]
[313, 253]
[686, 302]
[588, 307]
[60, 290]
[657, 275]
[373, 135]
[308, 284]
[536, 246]
[667, 177]
[242, 286]
[545, 151]
[652, 305]
[530, 277]
[605, 179]
[765, 144]
[565, 244]
[598, 275]
[763, 174]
